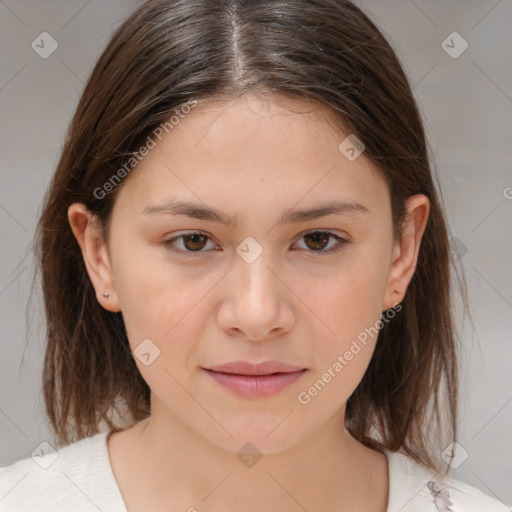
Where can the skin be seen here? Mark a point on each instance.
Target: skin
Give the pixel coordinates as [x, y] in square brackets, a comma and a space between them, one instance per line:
[255, 159]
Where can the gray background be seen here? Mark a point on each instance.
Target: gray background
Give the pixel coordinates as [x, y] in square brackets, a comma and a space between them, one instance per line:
[467, 107]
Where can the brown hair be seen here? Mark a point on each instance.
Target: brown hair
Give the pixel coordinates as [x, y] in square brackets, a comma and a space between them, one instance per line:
[164, 54]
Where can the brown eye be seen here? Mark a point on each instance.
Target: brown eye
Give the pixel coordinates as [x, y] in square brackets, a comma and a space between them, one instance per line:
[317, 241]
[192, 244]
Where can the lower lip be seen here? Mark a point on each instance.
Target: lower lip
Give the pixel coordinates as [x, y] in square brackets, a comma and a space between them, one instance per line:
[255, 386]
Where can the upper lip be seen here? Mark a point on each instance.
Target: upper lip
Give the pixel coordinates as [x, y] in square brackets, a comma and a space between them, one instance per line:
[265, 368]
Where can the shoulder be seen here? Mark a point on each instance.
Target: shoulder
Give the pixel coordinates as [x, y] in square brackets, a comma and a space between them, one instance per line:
[413, 488]
[74, 477]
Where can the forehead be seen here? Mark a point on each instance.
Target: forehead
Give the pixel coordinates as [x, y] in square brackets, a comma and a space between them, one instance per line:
[289, 115]
[253, 149]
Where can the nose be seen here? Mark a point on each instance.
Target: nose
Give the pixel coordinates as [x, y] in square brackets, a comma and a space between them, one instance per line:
[256, 301]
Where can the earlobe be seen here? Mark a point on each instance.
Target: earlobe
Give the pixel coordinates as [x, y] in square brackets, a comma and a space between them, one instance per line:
[88, 233]
[405, 253]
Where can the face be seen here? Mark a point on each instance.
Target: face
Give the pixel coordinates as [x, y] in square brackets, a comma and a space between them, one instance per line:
[274, 284]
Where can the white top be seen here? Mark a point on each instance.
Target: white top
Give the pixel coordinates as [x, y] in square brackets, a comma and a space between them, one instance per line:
[79, 478]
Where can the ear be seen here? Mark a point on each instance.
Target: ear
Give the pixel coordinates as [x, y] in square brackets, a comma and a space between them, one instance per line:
[87, 231]
[405, 253]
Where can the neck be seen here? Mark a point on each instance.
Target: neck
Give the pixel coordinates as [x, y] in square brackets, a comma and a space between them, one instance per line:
[329, 470]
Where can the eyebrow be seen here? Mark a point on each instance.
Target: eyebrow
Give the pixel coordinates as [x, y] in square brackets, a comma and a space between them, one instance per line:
[203, 212]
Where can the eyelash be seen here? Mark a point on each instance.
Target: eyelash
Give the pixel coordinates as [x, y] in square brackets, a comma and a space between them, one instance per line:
[338, 247]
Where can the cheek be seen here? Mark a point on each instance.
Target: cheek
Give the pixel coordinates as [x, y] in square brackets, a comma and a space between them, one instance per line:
[347, 305]
[149, 286]
[163, 321]
[168, 305]
[348, 299]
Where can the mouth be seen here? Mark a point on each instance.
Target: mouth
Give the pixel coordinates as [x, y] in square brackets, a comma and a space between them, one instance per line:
[255, 380]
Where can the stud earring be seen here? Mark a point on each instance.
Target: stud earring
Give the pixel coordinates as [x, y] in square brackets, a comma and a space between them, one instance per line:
[106, 295]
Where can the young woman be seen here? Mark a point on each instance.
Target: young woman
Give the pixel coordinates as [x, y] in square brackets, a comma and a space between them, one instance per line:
[246, 275]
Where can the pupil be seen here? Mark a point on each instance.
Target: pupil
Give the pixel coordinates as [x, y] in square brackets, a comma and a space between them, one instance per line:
[319, 237]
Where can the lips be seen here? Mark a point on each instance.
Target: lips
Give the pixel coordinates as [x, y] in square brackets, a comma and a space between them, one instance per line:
[255, 380]
[245, 368]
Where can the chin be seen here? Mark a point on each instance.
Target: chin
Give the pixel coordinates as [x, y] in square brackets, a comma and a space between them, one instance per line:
[266, 434]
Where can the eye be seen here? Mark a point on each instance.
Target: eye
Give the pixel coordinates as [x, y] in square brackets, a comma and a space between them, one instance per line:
[316, 241]
[192, 242]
